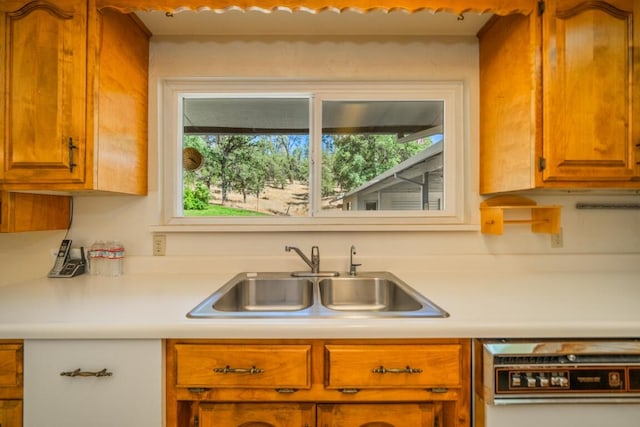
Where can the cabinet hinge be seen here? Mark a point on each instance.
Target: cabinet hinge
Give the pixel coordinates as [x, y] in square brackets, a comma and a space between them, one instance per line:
[542, 163]
[196, 421]
[540, 7]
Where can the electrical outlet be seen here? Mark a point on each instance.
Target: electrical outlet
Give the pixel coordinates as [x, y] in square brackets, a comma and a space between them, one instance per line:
[556, 240]
[159, 245]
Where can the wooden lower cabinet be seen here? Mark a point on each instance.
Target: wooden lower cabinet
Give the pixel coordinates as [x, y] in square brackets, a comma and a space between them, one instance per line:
[318, 383]
[376, 415]
[328, 415]
[11, 387]
[10, 413]
[256, 415]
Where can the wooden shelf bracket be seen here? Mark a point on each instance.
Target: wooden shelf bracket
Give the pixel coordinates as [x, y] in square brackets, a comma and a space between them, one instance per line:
[543, 219]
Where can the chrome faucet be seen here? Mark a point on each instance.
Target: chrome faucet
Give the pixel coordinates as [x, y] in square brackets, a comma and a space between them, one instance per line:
[352, 266]
[313, 263]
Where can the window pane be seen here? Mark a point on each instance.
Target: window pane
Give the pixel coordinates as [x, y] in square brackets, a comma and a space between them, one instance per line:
[382, 155]
[255, 156]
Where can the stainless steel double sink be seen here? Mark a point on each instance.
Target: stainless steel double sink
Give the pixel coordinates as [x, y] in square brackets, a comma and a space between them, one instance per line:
[273, 295]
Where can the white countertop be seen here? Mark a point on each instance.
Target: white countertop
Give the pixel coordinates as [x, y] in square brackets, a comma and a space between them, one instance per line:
[481, 304]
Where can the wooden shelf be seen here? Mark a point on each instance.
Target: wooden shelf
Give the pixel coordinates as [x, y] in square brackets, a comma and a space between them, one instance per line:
[543, 219]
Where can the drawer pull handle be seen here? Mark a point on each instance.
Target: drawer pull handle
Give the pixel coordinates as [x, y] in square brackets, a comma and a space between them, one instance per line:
[80, 373]
[229, 370]
[350, 390]
[198, 389]
[407, 370]
[286, 390]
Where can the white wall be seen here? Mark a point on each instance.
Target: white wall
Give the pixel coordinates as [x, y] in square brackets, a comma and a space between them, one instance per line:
[128, 219]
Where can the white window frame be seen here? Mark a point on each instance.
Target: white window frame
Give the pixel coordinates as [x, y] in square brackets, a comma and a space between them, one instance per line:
[173, 91]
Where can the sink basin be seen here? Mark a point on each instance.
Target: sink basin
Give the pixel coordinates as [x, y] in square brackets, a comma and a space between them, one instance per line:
[266, 293]
[282, 294]
[271, 295]
[366, 294]
[378, 294]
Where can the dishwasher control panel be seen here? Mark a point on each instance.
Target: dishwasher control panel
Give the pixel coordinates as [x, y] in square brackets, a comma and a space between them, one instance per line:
[524, 371]
[561, 380]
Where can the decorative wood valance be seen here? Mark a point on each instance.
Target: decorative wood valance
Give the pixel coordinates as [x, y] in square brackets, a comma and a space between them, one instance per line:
[499, 7]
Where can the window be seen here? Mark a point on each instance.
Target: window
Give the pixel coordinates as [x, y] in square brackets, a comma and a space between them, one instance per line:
[265, 152]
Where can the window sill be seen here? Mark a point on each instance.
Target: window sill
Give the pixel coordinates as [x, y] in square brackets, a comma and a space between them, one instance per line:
[282, 228]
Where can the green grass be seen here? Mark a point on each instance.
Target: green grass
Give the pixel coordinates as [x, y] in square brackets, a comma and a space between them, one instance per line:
[217, 210]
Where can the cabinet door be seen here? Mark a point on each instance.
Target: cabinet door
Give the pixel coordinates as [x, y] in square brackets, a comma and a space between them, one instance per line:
[33, 212]
[10, 413]
[376, 415]
[590, 67]
[59, 390]
[43, 120]
[256, 415]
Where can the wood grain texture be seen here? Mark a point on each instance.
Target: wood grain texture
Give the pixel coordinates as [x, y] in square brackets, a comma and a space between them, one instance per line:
[257, 415]
[351, 366]
[279, 366]
[452, 403]
[589, 72]
[45, 81]
[76, 99]
[11, 413]
[493, 215]
[11, 369]
[581, 94]
[33, 212]
[120, 147]
[501, 7]
[509, 103]
[378, 415]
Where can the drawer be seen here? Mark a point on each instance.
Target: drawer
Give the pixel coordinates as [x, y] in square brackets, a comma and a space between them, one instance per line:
[10, 371]
[10, 362]
[397, 366]
[243, 366]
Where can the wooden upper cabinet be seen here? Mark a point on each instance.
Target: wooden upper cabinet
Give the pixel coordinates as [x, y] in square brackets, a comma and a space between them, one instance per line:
[75, 105]
[44, 45]
[33, 212]
[589, 71]
[560, 99]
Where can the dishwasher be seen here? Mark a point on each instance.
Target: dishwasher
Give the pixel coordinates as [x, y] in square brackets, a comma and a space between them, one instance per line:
[557, 383]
